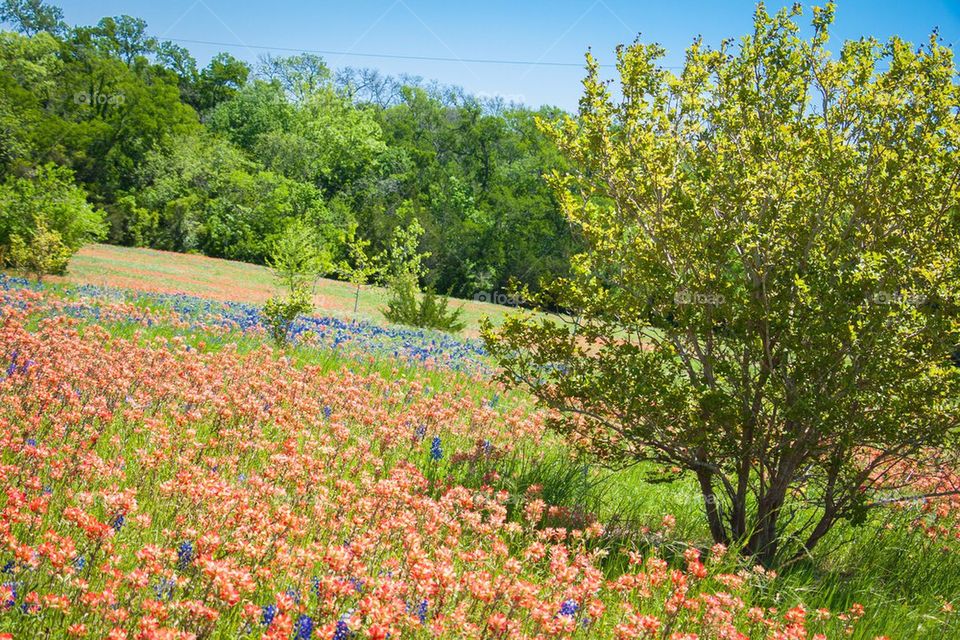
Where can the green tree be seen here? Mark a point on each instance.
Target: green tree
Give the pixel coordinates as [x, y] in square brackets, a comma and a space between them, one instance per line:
[256, 109]
[767, 296]
[406, 303]
[44, 219]
[210, 198]
[31, 17]
[361, 266]
[219, 81]
[298, 259]
[300, 76]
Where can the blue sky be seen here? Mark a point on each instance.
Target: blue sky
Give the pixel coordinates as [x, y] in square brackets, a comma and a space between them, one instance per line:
[524, 30]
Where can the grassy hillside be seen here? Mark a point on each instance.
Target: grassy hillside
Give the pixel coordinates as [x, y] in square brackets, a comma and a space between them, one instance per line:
[151, 270]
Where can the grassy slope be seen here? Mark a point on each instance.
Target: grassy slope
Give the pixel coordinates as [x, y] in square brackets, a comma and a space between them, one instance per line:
[150, 270]
[901, 578]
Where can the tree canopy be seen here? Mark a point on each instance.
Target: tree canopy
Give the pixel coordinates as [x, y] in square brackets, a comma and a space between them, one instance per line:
[767, 296]
[218, 158]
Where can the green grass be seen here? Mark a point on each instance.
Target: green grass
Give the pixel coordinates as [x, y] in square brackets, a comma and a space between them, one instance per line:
[151, 270]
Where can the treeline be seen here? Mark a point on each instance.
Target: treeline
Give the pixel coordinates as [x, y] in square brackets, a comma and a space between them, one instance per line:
[221, 159]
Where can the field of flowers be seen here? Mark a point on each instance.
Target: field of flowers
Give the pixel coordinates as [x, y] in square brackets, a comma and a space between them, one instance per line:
[158, 481]
[221, 322]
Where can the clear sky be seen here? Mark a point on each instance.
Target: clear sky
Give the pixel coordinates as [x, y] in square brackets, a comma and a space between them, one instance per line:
[552, 31]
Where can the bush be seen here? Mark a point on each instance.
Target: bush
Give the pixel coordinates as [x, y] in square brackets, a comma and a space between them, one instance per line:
[44, 219]
[406, 305]
[44, 254]
[280, 312]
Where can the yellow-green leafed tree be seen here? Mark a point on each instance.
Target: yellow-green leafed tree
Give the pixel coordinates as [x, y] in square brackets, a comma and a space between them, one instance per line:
[768, 298]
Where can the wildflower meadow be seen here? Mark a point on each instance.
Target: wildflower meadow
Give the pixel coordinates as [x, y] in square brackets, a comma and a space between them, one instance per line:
[170, 484]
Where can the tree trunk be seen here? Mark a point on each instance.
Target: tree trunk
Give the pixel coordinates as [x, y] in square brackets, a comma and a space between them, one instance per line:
[764, 542]
[710, 503]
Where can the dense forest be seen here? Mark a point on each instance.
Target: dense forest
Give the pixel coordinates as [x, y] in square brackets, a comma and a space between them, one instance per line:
[220, 159]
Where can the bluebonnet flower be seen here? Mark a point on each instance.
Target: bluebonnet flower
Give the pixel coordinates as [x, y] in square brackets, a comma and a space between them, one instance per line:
[31, 442]
[79, 563]
[304, 627]
[342, 632]
[422, 611]
[8, 568]
[118, 521]
[327, 412]
[569, 608]
[13, 363]
[357, 584]
[315, 586]
[164, 589]
[268, 614]
[184, 554]
[294, 594]
[420, 433]
[435, 451]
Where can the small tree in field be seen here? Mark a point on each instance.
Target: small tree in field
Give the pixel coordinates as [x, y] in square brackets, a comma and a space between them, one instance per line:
[298, 260]
[406, 304]
[362, 266]
[768, 295]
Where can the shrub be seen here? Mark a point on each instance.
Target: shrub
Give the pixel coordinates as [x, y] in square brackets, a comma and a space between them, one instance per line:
[279, 313]
[48, 217]
[44, 254]
[407, 305]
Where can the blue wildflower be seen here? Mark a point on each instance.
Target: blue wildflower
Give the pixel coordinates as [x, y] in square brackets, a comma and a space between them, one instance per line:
[79, 563]
[184, 554]
[304, 627]
[420, 433]
[268, 614]
[327, 412]
[118, 521]
[12, 598]
[294, 594]
[357, 584]
[342, 632]
[31, 442]
[8, 568]
[422, 611]
[164, 589]
[436, 452]
[569, 608]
